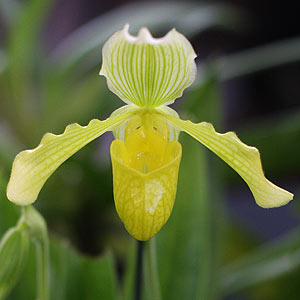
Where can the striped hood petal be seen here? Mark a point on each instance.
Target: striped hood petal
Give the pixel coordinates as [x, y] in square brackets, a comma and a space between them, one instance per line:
[148, 71]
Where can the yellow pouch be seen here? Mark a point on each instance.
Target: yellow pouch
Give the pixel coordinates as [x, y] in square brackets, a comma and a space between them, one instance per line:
[145, 173]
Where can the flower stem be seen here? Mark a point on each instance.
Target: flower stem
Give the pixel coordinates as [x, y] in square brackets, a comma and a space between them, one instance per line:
[151, 271]
[139, 270]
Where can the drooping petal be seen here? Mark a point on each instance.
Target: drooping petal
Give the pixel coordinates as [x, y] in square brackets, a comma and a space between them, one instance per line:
[31, 168]
[148, 71]
[245, 160]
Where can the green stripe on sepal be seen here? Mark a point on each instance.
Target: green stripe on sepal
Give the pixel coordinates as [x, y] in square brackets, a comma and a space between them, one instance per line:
[245, 160]
[148, 71]
[31, 168]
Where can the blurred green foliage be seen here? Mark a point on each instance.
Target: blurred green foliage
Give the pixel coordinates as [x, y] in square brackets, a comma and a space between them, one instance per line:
[202, 252]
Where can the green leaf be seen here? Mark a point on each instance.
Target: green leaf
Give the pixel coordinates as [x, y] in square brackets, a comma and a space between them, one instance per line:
[80, 277]
[9, 213]
[13, 255]
[23, 45]
[187, 245]
[258, 59]
[24, 67]
[73, 275]
[263, 264]
[99, 278]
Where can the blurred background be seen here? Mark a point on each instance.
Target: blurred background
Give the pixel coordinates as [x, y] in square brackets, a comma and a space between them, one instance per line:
[218, 244]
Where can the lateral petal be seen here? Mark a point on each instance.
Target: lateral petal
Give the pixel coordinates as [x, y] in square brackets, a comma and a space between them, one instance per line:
[245, 160]
[31, 168]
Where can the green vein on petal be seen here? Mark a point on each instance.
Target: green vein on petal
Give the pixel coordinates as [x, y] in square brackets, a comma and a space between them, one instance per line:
[148, 71]
[31, 168]
[245, 160]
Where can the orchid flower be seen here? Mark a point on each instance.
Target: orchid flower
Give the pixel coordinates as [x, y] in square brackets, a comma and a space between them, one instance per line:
[148, 74]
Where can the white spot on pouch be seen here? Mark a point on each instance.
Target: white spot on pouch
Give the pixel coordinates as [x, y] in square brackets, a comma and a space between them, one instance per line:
[153, 194]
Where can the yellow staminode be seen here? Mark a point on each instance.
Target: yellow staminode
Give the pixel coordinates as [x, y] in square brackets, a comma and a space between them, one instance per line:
[148, 74]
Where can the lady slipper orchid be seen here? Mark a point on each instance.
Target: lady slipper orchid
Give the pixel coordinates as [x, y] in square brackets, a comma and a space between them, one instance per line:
[147, 74]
